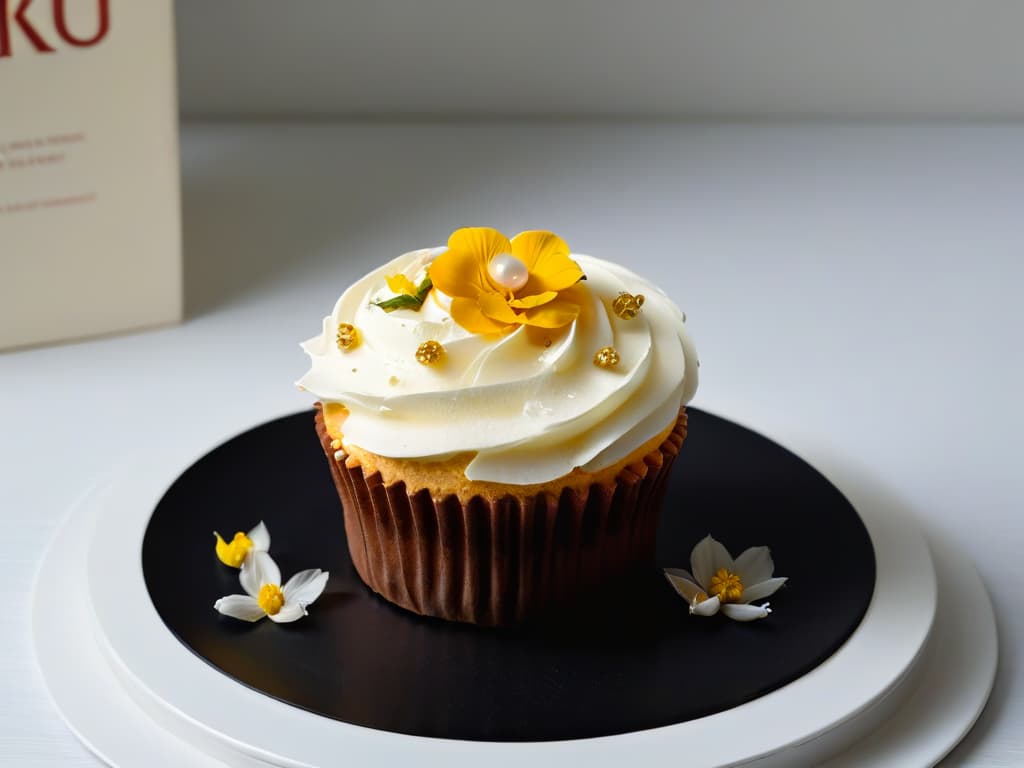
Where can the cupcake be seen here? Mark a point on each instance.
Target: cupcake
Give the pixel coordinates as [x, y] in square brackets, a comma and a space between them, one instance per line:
[500, 417]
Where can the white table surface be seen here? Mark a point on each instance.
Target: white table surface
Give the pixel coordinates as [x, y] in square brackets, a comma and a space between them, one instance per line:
[853, 289]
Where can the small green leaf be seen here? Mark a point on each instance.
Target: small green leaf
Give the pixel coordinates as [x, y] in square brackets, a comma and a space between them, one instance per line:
[424, 289]
[405, 301]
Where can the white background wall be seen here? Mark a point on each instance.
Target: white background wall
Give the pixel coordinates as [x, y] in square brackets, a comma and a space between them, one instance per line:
[660, 57]
[884, 260]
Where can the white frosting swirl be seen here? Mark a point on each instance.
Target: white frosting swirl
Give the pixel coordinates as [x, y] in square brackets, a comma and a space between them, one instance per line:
[531, 404]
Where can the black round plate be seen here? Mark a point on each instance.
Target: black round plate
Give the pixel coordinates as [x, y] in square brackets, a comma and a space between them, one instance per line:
[631, 658]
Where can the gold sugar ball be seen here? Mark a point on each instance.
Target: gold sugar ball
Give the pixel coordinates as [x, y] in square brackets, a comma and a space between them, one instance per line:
[606, 357]
[429, 353]
[348, 337]
[627, 306]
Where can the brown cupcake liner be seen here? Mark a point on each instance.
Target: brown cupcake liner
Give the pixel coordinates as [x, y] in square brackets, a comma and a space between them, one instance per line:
[501, 560]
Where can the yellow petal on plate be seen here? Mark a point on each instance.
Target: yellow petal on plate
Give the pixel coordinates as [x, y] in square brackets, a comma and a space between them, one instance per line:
[233, 553]
[546, 256]
[528, 302]
[401, 284]
[466, 312]
[554, 314]
[496, 307]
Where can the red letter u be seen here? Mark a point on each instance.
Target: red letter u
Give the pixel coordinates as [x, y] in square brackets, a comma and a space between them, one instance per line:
[60, 22]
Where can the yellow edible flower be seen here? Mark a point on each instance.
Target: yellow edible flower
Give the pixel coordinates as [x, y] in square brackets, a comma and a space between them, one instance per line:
[233, 554]
[242, 546]
[482, 304]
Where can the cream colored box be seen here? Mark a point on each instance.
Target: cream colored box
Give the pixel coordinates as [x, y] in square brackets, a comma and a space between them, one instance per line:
[90, 223]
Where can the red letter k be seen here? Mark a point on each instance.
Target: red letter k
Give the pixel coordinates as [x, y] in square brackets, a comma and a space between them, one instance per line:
[27, 29]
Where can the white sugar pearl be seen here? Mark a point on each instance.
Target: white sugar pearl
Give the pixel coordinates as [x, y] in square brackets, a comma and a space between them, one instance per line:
[508, 271]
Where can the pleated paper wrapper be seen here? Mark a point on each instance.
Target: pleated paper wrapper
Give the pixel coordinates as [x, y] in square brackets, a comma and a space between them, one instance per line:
[504, 559]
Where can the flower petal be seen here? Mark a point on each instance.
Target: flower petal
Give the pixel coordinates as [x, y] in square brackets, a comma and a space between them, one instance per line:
[495, 307]
[466, 312]
[224, 551]
[401, 285]
[289, 612]
[685, 587]
[305, 586]
[240, 607]
[707, 607]
[258, 570]
[762, 589]
[529, 302]
[554, 314]
[707, 557]
[260, 538]
[682, 573]
[486, 242]
[744, 612]
[755, 565]
[249, 576]
[546, 256]
[458, 274]
[462, 269]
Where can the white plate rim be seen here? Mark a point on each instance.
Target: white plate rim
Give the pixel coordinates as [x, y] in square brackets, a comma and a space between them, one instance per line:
[863, 672]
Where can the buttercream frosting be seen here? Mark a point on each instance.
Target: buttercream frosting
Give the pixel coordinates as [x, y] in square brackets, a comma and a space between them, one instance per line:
[531, 404]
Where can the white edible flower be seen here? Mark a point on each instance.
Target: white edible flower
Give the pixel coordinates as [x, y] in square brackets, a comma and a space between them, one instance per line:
[261, 578]
[244, 546]
[719, 583]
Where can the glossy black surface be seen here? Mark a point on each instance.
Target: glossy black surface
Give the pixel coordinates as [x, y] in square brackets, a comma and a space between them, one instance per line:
[632, 659]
